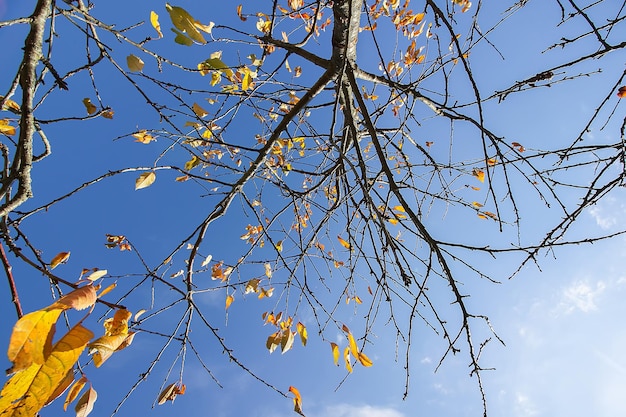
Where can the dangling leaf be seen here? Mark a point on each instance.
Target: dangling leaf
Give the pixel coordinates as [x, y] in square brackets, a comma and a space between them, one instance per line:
[335, 349]
[84, 406]
[74, 391]
[343, 242]
[297, 400]
[135, 64]
[91, 109]
[154, 20]
[302, 332]
[60, 258]
[229, 300]
[145, 180]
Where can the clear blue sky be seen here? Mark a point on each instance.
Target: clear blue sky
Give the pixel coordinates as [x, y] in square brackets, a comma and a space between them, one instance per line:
[562, 325]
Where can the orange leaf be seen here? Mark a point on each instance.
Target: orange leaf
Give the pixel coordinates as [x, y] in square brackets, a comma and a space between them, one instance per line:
[343, 242]
[297, 401]
[74, 391]
[621, 93]
[79, 299]
[60, 258]
[479, 173]
[229, 300]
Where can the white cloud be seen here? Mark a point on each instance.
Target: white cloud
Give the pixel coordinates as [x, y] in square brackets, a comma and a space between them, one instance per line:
[608, 213]
[582, 296]
[347, 410]
[524, 405]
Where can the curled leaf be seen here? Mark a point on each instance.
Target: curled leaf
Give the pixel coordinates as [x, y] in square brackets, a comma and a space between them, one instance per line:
[59, 258]
[84, 406]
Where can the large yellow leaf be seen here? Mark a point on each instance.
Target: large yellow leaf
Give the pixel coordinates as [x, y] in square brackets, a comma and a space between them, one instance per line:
[27, 391]
[31, 340]
[184, 22]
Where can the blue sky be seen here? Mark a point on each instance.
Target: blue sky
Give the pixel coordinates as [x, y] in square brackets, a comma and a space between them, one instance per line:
[561, 325]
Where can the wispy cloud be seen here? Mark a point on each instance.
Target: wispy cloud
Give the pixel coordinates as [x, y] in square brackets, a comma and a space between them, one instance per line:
[348, 410]
[609, 212]
[580, 295]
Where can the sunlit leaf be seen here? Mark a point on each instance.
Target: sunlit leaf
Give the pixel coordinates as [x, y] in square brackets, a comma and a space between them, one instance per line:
[139, 314]
[335, 349]
[27, 391]
[286, 342]
[96, 275]
[252, 286]
[476, 204]
[229, 300]
[72, 394]
[343, 242]
[301, 329]
[59, 258]
[621, 93]
[199, 111]
[6, 128]
[479, 174]
[268, 270]
[154, 20]
[169, 393]
[239, 10]
[91, 109]
[364, 360]
[60, 389]
[184, 22]
[116, 332]
[216, 64]
[145, 180]
[352, 344]
[79, 299]
[10, 105]
[135, 64]
[181, 38]
[346, 358]
[108, 114]
[143, 137]
[297, 400]
[265, 293]
[107, 290]
[84, 406]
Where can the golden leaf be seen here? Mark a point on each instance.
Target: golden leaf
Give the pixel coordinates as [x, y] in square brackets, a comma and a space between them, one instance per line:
[479, 173]
[476, 204]
[27, 391]
[154, 20]
[364, 360]
[297, 400]
[74, 391]
[135, 64]
[108, 290]
[84, 406]
[199, 111]
[184, 22]
[91, 109]
[31, 339]
[335, 350]
[346, 358]
[60, 258]
[60, 389]
[286, 342]
[10, 105]
[263, 293]
[343, 242]
[6, 129]
[145, 180]
[116, 333]
[229, 300]
[301, 329]
[353, 348]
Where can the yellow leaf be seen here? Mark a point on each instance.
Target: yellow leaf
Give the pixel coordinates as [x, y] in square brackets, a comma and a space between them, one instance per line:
[27, 391]
[346, 358]
[353, 348]
[476, 204]
[216, 64]
[108, 289]
[400, 209]
[145, 180]
[335, 350]
[297, 400]
[60, 258]
[143, 137]
[135, 64]
[364, 360]
[91, 109]
[263, 293]
[199, 111]
[116, 333]
[273, 341]
[154, 20]
[10, 105]
[302, 332]
[286, 342]
[96, 275]
[74, 391]
[6, 129]
[479, 173]
[31, 339]
[192, 163]
[279, 246]
[229, 300]
[84, 406]
[60, 389]
[343, 242]
[184, 22]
